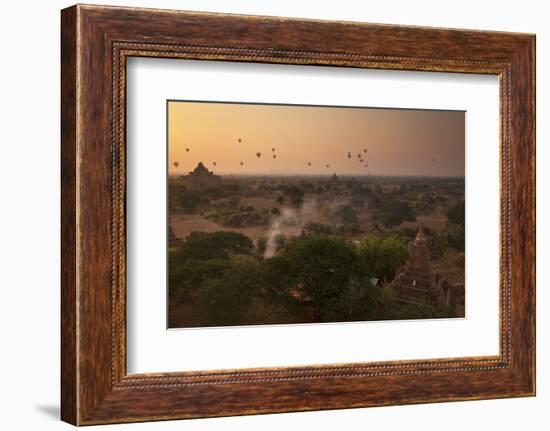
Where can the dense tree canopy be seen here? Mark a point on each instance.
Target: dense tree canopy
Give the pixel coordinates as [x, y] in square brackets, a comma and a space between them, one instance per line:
[188, 275]
[222, 280]
[228, 298]
[456, 214]
[319, 267]
[214, 245]
[394, 212]
[186, 200]
[383, 256]
[456, 236]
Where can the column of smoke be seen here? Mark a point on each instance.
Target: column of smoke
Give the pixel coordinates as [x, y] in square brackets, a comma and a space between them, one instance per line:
[288, 217]
[278, 223]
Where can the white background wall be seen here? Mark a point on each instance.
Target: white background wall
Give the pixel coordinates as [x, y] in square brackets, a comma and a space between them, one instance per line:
[29, 215]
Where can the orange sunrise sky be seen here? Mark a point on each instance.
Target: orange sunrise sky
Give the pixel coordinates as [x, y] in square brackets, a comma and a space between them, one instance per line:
[399, 142]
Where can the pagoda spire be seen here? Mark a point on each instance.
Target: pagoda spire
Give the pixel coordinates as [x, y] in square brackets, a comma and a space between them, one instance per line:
[416, 283]
[420, 237]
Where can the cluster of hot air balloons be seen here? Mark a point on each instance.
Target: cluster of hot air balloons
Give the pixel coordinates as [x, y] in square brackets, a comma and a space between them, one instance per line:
[360, 157]
[259, 155]
[274, 156]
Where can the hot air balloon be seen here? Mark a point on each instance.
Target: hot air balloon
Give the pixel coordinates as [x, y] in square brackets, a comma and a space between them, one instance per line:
[309, 163]
[258, 155]
[239, 140]
[365, 150]
[242, 163]
[359, 155]
[349, 155]
[214, 163]
[328, 166]
[176, 164]
[273, 149]
[187, 149]
[274, 156]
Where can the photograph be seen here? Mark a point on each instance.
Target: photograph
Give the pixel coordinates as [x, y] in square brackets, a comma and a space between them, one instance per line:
[303, 214]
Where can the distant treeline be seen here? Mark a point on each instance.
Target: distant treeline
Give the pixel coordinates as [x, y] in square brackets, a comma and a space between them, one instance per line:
[389, 207]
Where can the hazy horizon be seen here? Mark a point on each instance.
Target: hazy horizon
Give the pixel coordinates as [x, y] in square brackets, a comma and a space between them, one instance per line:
[320, 175]
[305, 139]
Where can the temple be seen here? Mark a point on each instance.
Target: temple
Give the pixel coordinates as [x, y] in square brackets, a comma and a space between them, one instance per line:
[415, 281]
[202, 176]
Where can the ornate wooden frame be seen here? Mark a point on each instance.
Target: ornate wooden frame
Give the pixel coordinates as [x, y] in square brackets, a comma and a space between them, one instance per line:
[95, 43]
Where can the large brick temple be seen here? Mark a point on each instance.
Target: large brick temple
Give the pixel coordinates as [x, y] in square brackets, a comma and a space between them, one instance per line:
[202, 176]
[415, 281]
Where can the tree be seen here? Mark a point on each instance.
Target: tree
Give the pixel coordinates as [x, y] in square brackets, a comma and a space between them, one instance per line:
[201, 257]
[456, 236]
[280, 241]
[316, 227]
[358, 301]
[213, 245]
[261, 244]
[365, 192]
[186, 200]
[395, 212]
[215, 192]
[227, 300]
[456, 214]
[427, 202]
[344, 214]
[296, 195]
[437, 243]
[186, 276]
[383, 256]
[319, 268]
[408, 233]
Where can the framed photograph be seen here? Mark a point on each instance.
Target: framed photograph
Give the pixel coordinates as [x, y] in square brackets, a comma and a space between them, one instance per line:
[266, 215]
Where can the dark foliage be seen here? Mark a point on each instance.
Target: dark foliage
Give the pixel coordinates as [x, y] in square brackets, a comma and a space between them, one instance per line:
[394, 212]
[456, 214]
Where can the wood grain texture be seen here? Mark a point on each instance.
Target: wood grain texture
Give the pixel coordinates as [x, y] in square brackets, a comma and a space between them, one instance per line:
[69, 397]
[96, 41]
